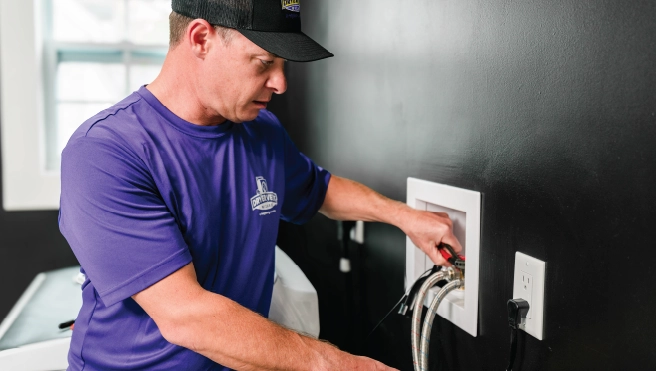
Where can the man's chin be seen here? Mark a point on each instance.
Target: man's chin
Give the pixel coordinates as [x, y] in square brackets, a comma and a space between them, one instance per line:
[248, 116]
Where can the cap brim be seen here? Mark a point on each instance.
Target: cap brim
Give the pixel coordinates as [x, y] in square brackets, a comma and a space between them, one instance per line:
[292, 46]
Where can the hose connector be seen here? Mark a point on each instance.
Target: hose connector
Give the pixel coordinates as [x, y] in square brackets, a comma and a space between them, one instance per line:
[450, 255]
[454, 273]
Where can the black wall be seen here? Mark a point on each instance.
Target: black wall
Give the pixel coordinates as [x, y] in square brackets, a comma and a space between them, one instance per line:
[548, 108]
[30, 243]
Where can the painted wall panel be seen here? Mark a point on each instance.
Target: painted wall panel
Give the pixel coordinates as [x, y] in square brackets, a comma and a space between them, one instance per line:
[546, 108]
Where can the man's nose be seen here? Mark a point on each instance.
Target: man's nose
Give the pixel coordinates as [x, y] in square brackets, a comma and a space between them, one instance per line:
[277, 81]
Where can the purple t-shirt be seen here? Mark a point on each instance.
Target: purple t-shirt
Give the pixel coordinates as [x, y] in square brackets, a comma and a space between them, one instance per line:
[145, 193]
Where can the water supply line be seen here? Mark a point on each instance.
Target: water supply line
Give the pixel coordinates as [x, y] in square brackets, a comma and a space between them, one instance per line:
[455, 274]
[448, 274]
[430, 316]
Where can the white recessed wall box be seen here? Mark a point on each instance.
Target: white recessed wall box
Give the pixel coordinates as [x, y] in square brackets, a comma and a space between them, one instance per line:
[464, 208]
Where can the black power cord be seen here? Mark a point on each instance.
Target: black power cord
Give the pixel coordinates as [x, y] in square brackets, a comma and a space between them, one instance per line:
[407, 299]
[517, 310]
[409, 303]
[384, 318]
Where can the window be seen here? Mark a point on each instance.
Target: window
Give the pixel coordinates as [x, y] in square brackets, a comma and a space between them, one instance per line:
[80, 57]
[96, 53]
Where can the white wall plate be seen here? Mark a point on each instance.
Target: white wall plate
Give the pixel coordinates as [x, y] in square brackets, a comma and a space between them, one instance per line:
[464, 208]
[528, 284]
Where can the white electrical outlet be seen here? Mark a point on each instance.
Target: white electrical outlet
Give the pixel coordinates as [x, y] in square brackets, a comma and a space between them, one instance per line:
[526, 291]
[529, 285]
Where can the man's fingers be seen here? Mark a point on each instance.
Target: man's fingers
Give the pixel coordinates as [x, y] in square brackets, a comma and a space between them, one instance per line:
[447, 231]
[430, 229]
[435, 255]
[450, 239]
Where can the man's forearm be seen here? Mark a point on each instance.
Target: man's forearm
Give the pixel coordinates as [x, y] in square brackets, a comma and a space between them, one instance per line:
[229, 334]
[235, 337]
[350, 200]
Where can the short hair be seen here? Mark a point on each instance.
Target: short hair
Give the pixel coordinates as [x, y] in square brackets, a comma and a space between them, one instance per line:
[178, 25]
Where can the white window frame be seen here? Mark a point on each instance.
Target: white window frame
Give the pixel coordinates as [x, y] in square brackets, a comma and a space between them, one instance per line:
[26, 185]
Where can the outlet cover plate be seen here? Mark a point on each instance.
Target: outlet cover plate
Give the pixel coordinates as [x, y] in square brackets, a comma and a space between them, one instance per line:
[464, 208]
[528, 284]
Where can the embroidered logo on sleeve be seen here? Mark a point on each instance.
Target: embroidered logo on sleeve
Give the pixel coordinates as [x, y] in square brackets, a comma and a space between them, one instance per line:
[292, 5]
[263, 200]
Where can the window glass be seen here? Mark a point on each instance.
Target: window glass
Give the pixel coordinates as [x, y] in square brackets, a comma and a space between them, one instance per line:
[93, 82]
[148, 21]
[97, 21]
[96, 53]
[142, 75]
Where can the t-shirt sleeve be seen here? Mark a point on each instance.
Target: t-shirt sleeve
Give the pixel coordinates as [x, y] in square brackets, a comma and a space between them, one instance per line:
[305, 185]
[118, 226]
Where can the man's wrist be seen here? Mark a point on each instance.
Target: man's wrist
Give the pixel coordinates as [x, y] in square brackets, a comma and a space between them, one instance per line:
[399, 215]
[326, 356]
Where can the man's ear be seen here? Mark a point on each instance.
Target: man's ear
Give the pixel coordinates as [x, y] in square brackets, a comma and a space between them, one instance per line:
[200, 35]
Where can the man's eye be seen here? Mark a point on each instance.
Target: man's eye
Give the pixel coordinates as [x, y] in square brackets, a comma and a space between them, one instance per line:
[266, 62]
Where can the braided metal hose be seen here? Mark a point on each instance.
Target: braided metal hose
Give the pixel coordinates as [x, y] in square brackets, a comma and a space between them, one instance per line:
[428, 321]
[416, 313]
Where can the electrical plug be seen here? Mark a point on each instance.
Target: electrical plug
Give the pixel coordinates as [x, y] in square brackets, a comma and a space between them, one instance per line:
[517, 311]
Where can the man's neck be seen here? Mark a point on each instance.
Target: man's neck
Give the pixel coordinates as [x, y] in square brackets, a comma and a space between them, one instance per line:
[177, 92]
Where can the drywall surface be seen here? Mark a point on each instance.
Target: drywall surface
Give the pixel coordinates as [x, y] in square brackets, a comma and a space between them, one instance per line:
[546, 108]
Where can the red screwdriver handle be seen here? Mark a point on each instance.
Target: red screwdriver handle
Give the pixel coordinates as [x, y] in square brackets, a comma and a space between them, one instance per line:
[446, 254]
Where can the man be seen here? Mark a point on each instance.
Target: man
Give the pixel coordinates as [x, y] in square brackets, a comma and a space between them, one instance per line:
[171, 201]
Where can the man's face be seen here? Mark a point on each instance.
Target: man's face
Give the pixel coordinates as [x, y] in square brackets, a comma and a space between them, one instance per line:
[237, 80]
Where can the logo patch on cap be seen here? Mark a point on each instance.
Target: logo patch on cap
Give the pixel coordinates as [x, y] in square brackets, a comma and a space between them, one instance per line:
[292, 5]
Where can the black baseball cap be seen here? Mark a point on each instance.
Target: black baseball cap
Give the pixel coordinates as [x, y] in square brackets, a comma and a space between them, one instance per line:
[273, 25]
